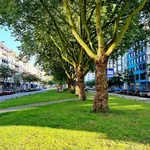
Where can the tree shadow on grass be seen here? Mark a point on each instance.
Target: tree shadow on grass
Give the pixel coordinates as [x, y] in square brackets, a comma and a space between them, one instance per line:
[126, 122]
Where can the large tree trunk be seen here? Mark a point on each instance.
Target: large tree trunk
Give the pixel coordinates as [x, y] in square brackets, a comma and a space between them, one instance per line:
[101, 96]
[80, 78]
[71, 85]
[77, 90]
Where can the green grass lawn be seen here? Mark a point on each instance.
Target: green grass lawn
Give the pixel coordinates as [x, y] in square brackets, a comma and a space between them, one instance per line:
[71, 126]
[37, 98]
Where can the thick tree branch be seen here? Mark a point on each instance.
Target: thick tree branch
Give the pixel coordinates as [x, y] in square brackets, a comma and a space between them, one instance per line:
[60, 33]
[115, 34]
[63, 57]
[100, 50]
[74, 32]
[91, 14]
[125, 28]
[83, 18]
[86, 67]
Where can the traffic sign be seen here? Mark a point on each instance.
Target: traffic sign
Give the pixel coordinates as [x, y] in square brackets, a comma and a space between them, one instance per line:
[110, 72]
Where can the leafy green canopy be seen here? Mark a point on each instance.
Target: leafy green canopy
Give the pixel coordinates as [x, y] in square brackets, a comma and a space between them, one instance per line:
[28, 77]
[41, 27]
[107, 25]
[6, 72]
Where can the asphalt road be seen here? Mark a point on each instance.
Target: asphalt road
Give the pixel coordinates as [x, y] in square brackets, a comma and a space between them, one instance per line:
[144, 99]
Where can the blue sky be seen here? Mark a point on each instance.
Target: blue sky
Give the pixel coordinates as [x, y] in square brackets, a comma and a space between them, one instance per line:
[8, 40]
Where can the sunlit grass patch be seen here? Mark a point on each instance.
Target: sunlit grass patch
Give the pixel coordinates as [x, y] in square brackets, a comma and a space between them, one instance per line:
[71, 125]
[29, 137]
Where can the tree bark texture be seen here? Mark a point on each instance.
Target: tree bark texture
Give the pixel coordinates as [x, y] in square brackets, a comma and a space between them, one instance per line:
[101, 96]
[77, 90]
[80, 81]
[71, 85]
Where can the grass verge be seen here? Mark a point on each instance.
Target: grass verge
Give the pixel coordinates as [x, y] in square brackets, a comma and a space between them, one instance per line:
[51, 95]
[71, 126]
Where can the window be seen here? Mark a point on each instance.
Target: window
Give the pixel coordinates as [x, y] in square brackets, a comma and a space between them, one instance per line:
[140, 58]
[4, 61]
[130, 55]
[143, 76]
[137, 77]
[141, 67]
[144, 66]
[137, 59]
[134, 61]
[144, 57]
[133, 69]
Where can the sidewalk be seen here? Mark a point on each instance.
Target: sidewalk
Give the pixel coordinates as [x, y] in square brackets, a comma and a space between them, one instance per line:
[8, 97]
[144, 99]
[4, 110]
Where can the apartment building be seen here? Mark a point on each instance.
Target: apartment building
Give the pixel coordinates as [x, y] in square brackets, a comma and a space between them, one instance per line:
[4, 55]
[148, 64]
[137, 62]
[10, 58]
[89, 76]
[119, 65]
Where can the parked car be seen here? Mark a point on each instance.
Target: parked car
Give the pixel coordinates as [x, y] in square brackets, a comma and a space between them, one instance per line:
[8, 92]
[131, 92]
[144, 93]
[89, 88]
[124, 91]
[110, 90]
[148, 94]
[136, 93]
[118, 90]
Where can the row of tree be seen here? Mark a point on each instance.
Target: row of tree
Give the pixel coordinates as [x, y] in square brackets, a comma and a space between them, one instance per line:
[73, 37]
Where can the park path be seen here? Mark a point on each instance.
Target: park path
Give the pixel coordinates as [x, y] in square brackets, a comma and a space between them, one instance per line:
[16, 108]
[16, 95]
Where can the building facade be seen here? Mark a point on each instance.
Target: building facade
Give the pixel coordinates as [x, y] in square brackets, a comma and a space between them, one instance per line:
[119, 65]
[148, 63]
[137, 62]
[89, 76]
[10, 58]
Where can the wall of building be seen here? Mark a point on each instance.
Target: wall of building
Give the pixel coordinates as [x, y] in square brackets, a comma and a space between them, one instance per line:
[10, 58]
[89, 76]
[137, 62]
[148, 63]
